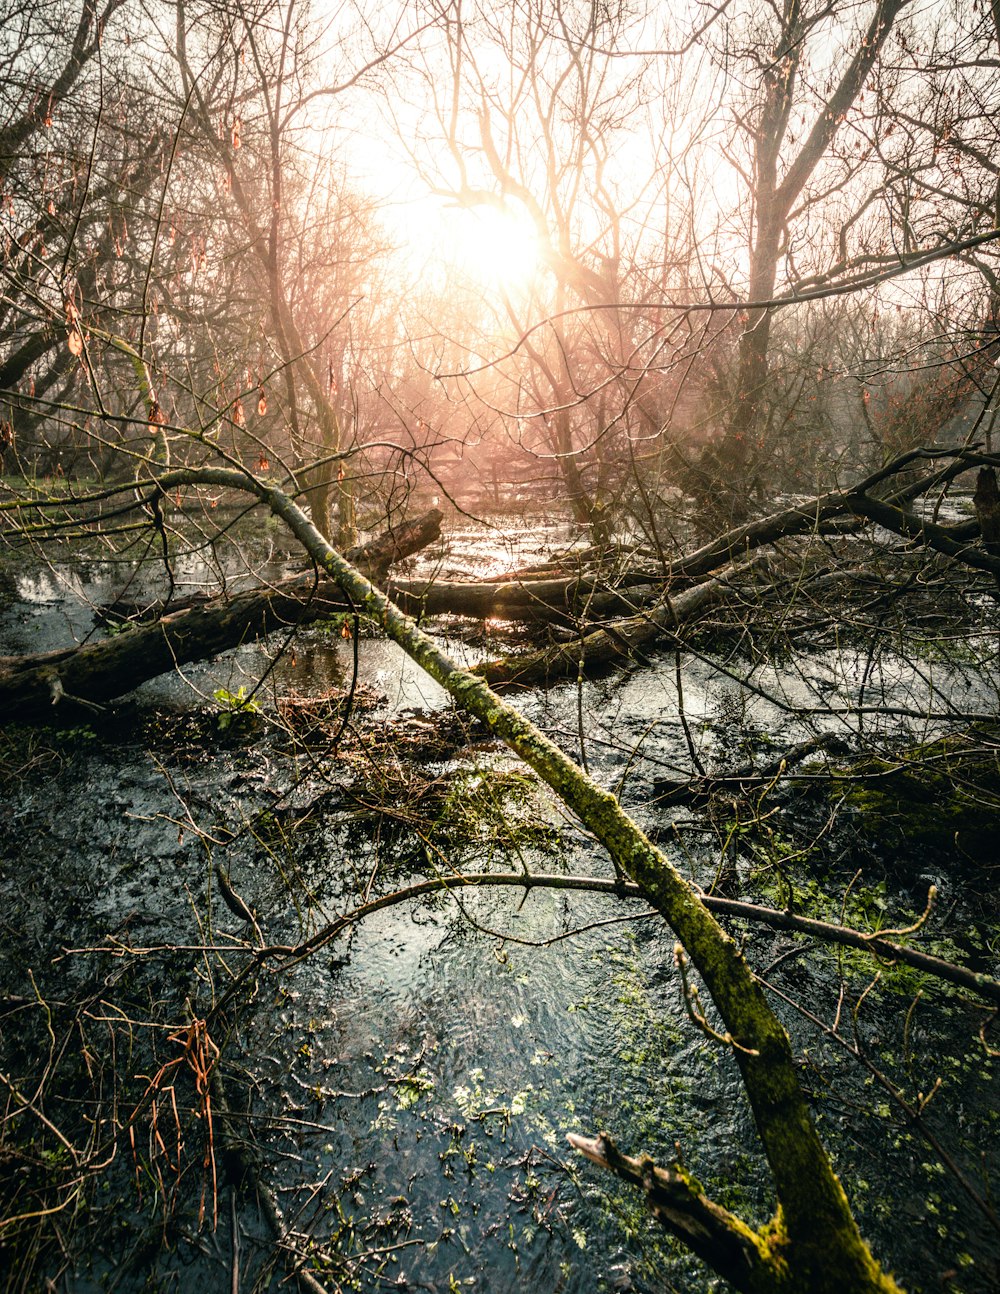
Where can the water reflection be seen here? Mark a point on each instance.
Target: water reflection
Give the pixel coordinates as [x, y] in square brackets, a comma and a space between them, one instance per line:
[468, 1056]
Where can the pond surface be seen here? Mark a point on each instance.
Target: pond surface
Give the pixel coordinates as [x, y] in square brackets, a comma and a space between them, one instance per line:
[406, 1091]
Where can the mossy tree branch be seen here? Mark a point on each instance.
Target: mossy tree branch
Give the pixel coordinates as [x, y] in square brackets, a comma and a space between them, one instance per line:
[739, 1254]
[813, 1242]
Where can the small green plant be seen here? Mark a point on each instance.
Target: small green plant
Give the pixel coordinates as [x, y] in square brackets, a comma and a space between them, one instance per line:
[234, 706]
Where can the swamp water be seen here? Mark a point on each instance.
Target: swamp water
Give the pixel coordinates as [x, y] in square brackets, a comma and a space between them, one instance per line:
[405, 1092]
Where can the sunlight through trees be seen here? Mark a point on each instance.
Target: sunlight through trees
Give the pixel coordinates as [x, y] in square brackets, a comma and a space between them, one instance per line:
[456, 447]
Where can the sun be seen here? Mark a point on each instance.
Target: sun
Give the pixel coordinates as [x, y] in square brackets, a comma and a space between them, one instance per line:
[492, 245]
[495, 245]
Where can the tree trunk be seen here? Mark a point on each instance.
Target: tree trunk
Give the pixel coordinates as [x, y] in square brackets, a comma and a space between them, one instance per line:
[89, 676]
[986, 501]
[812, 1245]
[732, 466]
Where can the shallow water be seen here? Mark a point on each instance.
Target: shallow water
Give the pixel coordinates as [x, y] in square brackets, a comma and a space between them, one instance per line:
[412, 1084]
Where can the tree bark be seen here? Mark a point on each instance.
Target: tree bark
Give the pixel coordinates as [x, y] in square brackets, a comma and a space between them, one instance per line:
[812, 1244]
[89, 676]
[986, 501]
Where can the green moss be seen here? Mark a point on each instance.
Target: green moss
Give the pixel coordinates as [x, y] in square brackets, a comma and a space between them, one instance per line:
[944, 794]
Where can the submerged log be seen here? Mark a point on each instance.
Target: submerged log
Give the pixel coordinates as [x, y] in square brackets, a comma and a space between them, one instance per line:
[98, 672]
[743, 781]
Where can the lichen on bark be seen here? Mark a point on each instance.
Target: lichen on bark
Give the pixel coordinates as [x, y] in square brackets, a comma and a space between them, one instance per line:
[812, 1244]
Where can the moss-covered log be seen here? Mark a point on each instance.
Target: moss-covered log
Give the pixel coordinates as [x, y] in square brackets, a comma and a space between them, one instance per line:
[100, 671]
[676, 1200]
[812, 1243]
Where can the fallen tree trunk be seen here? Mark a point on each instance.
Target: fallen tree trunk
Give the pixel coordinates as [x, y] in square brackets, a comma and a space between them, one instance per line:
[565, 600]
[812, 1244]
[202, 627]
[941, 539]
[618, 643]
[544, 594]
[622, 641]
[374, 558]
[100, 671]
